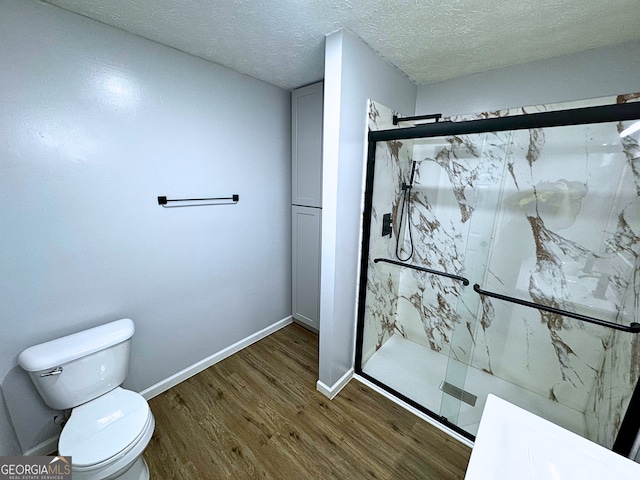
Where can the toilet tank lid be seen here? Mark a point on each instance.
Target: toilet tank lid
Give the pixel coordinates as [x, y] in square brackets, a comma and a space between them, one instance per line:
[66, 349]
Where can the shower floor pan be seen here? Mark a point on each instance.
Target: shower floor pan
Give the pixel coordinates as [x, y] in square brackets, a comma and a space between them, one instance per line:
[418, 373]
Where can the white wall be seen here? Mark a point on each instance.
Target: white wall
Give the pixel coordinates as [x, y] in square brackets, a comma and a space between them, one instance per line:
[353, 74]
[96, 123]
[590, 74]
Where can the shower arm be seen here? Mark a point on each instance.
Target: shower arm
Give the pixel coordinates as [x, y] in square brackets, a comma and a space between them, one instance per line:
[434, 116]
[634, 327]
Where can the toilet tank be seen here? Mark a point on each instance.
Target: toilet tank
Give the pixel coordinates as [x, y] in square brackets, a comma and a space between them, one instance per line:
[75, 369]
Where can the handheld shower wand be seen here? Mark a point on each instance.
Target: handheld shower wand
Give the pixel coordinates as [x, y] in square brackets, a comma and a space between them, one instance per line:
[406, 203]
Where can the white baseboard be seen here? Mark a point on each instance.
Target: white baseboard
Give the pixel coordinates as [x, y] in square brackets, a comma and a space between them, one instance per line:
[192, 370]
[50, 445]
[333, 390]
[415, 411]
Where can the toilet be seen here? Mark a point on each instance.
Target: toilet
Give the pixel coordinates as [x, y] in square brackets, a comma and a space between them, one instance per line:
[109, 427]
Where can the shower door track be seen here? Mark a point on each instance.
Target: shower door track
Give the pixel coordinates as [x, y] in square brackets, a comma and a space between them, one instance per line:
[630, 427]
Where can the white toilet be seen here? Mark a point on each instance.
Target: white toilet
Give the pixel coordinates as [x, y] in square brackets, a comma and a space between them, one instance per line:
[109, 427]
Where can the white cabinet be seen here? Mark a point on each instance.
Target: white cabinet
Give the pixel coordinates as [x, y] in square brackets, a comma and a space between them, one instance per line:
[305, 223]
[306, 197]
[306, 146]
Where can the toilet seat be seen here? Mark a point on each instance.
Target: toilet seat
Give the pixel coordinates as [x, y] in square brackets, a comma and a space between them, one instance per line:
[115, 466]
[106, 430]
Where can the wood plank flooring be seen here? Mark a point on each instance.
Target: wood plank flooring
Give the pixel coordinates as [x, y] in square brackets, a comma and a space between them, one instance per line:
[257, 414]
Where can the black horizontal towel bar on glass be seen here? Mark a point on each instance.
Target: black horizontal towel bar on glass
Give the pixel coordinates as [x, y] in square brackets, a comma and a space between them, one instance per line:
[634, 327]
[422, 269]
[163, 201]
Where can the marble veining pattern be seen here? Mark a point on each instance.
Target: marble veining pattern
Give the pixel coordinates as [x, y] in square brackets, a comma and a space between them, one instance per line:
[545, 215]
[383, 280]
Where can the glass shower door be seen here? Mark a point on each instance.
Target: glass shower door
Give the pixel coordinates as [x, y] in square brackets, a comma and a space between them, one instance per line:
[460, 176]
[487, 255]
[559, 238]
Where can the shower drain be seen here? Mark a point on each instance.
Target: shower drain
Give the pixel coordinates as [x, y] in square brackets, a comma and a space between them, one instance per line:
[459, 393]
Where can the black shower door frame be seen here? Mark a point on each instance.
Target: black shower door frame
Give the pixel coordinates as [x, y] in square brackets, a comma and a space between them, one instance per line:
[630, 426]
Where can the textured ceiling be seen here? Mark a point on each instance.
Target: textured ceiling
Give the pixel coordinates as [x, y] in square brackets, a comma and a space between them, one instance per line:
[282, 41]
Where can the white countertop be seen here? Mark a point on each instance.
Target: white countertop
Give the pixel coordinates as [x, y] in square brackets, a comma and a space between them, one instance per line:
[513, 443]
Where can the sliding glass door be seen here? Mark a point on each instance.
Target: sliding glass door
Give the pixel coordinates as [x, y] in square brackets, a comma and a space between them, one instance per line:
[503, 256]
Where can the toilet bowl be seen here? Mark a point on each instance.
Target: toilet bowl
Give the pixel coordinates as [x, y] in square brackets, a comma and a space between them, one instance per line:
[109, 426]
[106, 436]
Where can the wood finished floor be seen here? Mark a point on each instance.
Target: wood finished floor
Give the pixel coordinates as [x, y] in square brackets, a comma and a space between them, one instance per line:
[257, 414]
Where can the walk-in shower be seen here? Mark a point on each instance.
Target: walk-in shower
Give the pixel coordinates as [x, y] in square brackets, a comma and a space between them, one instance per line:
[501, 254]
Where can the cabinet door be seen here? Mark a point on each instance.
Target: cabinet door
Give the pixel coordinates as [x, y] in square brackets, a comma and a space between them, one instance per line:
[306, 145]
[305, 225]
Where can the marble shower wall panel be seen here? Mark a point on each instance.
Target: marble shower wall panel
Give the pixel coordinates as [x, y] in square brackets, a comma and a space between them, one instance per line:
[546, 215]
[427, 305]
[550, 224]
[393, 161]
[565, 212]
[612, 389]
[620, 371]
[456, 175]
